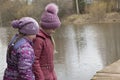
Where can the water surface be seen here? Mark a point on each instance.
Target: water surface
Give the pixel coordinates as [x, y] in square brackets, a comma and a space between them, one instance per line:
[81, 50]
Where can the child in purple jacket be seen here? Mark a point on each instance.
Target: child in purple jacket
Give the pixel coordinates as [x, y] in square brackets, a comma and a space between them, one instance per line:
[20, 54]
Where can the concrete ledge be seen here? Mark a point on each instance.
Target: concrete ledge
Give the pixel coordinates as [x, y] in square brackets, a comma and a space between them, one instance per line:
[111, 72]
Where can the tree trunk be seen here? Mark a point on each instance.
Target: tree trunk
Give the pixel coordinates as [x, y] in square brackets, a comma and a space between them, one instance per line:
[77, 6]
[0, 20]
[118, 5]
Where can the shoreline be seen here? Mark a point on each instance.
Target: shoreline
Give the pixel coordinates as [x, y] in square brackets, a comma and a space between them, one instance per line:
[113, 17]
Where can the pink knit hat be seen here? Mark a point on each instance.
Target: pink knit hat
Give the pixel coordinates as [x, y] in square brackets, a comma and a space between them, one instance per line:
[26, 25]
[49, 18]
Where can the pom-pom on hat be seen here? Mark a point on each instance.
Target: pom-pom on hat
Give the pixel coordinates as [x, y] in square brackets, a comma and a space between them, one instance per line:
[26, 25]
[49, 18]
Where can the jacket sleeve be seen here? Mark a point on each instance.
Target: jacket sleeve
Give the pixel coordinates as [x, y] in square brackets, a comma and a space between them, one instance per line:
[38, 45]
[25, 61]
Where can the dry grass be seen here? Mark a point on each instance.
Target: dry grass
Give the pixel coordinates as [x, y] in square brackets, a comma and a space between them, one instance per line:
[97, 14]
[87, 18]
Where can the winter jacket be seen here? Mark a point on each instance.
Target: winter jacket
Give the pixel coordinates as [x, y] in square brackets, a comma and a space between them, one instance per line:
[20, 57]
[43, 66]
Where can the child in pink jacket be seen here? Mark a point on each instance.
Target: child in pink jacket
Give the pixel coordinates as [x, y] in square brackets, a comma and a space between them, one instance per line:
[43, 66]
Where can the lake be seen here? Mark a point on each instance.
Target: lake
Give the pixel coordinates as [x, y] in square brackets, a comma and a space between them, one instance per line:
[82, 50]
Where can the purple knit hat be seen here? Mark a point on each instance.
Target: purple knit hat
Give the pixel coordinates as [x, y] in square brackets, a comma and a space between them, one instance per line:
[26, 25]
[49, 18]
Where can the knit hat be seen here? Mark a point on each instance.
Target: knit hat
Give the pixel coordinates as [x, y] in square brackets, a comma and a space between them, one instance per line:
[26, 25]
[49, 18]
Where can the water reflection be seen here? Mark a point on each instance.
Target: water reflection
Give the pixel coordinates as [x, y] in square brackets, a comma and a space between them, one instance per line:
[108, 42]
[85, 49]
[3, 41]
[89, 55]
[5, 36]
[71, 58]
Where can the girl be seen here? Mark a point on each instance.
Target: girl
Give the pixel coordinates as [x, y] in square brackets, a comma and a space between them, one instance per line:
[44, 44]
[20, 54]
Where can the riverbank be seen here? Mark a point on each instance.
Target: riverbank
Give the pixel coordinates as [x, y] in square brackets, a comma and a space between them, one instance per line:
[87, 18]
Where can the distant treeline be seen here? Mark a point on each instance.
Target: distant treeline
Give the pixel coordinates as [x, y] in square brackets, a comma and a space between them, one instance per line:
[12, 9]
[83, 6]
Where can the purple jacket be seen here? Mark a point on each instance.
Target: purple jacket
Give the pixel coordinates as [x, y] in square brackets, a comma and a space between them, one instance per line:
[43, 66]
[19, 60]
